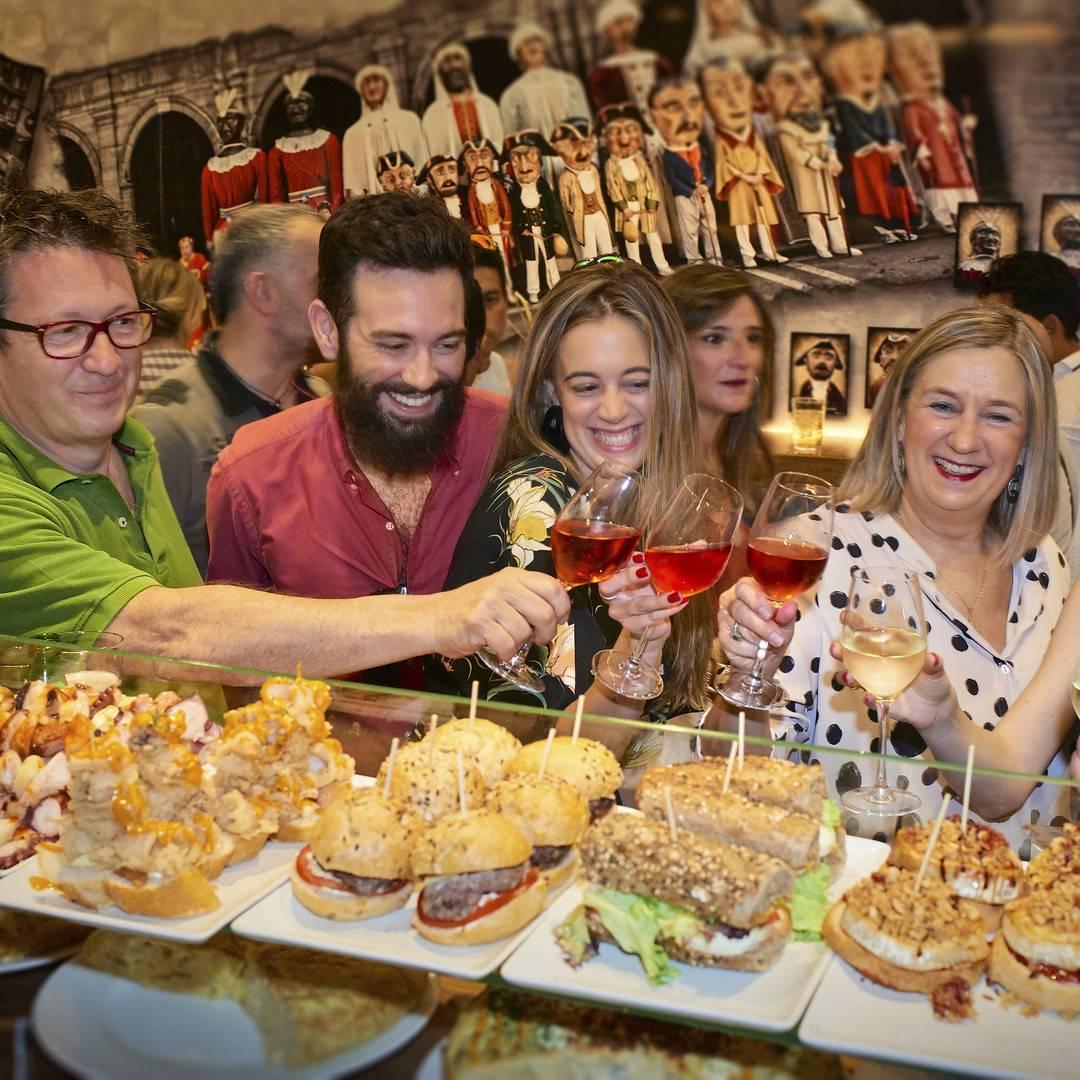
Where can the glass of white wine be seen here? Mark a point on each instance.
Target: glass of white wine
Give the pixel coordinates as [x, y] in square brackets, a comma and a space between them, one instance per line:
[884, 644]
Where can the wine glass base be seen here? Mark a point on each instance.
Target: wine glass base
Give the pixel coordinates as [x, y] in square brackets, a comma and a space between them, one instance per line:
[880, 802]
[627, 677]
[740, 690]
[515, 671]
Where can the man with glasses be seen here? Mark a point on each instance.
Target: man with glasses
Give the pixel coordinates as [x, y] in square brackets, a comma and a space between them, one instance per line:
[89, 539]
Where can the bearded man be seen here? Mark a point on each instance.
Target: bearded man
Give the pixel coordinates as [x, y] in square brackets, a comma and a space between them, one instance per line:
[366, 492]
[460, 113]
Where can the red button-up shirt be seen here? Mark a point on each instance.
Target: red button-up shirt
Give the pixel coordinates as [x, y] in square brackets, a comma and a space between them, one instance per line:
[289, 509]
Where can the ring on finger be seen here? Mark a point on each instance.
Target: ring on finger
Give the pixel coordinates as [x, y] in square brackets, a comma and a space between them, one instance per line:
[603, 596]
[736, 635]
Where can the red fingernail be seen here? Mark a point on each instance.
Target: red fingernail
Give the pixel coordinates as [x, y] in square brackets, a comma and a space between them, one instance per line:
[674, 598]
[637, 557]
[642, 573]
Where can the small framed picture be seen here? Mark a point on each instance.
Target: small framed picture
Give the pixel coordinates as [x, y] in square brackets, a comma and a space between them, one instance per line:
[884, 344]
[1059, 229]
[819, 367]
[983, 232]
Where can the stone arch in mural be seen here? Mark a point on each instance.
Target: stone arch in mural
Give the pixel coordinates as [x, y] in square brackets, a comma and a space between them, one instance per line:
[337, 104]
[74, 143]
[487, 44]
[157, 107]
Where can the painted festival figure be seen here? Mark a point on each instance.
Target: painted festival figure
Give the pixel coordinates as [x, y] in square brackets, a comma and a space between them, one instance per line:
[630, 182]
[938, 138]
[235, 177]
[487, 205]
[793, 92]
[305, 164]
[677, 111]
[537, 220]
[383, 127]
[626, 73]
[821, 360]
[873, 155]
[459, 113]
[580, 188]
[440, 174]
[396, 172]
[746, 178]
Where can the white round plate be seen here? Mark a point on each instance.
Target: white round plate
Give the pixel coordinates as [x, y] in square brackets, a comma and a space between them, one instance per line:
[27, 963]
[102, 1027]
[432, 1067]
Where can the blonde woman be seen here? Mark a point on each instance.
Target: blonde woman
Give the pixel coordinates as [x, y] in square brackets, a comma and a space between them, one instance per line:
[956, 481]
[175, 294]
[604, 374]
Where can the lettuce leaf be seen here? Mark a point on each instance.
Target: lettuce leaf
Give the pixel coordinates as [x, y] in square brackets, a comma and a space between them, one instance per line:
[809, 902]
[574, 938]
[635, 923]
[830, 814]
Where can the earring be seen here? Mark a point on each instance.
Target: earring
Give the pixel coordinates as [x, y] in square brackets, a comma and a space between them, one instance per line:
[1012, 488]
[900, 460]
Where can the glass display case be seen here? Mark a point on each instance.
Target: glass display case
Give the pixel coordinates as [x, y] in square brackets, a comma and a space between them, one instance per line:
[366, 720]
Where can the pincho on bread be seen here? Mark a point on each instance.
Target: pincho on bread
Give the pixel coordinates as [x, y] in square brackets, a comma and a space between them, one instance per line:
[553, 817]
[479, 882]
[359, 861]
[922, 941]
[692, 899]
[1036, 953]
[1059, 859]
[796, 788]
[489, 746]
[699, 805]
[586, 764]
[977, 863]
[425, 777]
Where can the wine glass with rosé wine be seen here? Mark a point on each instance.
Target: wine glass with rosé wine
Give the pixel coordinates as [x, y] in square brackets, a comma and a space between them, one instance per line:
[788, 548]
[592, 538]
[884, 645]
[686, 552]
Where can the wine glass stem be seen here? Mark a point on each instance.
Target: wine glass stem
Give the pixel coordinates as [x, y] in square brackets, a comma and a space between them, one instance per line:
[881, 792]
[639, 649]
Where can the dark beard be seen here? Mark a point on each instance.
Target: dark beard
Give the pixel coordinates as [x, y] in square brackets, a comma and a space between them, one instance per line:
[810, 121]
[392, 446]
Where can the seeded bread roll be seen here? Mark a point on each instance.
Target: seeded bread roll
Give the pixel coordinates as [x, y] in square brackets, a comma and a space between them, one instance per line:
[776, 781]
[636, 855]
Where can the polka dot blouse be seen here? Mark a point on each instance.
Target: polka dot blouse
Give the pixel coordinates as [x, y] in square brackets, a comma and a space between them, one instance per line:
[821, 709]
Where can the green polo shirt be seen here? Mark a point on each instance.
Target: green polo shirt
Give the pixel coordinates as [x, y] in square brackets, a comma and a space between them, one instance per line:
[72, 552]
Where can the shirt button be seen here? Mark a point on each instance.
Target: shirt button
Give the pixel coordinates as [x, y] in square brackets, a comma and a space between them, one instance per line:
[122, 522]
[1004, 668]
[389, 526]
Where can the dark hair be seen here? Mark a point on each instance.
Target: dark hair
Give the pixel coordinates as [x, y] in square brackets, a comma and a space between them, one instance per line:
[667, 83]
[1039, 284]
[491, 260]
[31, 220]
[700, 292]
[393, 230]
[475, 318]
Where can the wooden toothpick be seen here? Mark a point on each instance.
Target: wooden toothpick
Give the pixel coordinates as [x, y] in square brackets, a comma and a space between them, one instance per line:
[474, 697]
[933, 841]
[670, 814]
[547, 753]
[461, 783]
[730, 765]
[390, 768]
[577, 720]
[967, 787]
[742, 739]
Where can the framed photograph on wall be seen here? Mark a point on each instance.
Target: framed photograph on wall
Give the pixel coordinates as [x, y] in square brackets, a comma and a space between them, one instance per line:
[983, 232]
[884, 344]
[1059, 229]
[819, 365]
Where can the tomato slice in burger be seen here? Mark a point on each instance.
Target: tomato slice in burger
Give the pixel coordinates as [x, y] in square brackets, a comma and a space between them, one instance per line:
[308, 868]
[486, 908]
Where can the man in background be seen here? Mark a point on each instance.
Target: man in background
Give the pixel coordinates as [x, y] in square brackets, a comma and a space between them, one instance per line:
[247, 369]
[492, 373]
[1043, 289]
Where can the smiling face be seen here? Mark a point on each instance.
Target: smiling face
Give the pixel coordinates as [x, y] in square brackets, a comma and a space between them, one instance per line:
[793, 90]
[727, 95]
[601, 378]
[678, 113]
[964, 428]
[78, 403]
[623, 138]
[727, 355]
[526, 163]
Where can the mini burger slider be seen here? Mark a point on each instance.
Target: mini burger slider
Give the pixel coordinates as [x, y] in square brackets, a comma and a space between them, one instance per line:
[551, 814]
[921, 942]
[359, 861]
[489, 746]
[586, 764]
[479, 882]
[426, 778]
[1036, 954]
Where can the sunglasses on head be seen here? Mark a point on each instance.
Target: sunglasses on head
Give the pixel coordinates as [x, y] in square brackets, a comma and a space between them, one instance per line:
[597, 260]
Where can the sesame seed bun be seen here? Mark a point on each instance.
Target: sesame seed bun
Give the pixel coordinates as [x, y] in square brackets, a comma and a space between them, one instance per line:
[490, 747]
[549, 811]
[464, 844]
[588, 765]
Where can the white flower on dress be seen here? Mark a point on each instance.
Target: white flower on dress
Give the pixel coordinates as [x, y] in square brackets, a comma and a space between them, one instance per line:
[531, 519]
[560, 657]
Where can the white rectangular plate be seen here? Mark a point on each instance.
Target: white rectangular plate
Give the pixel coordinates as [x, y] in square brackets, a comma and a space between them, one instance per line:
[281, 918]
[770, 1000]
[853, 1015]
[238, 888]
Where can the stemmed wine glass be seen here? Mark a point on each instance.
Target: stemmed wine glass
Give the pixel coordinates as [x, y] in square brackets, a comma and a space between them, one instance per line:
[686, 552]
[788, 549]
[592, 537]
[884, 645]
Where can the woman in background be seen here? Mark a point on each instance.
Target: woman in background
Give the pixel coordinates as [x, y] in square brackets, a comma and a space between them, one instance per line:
[176, 295]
